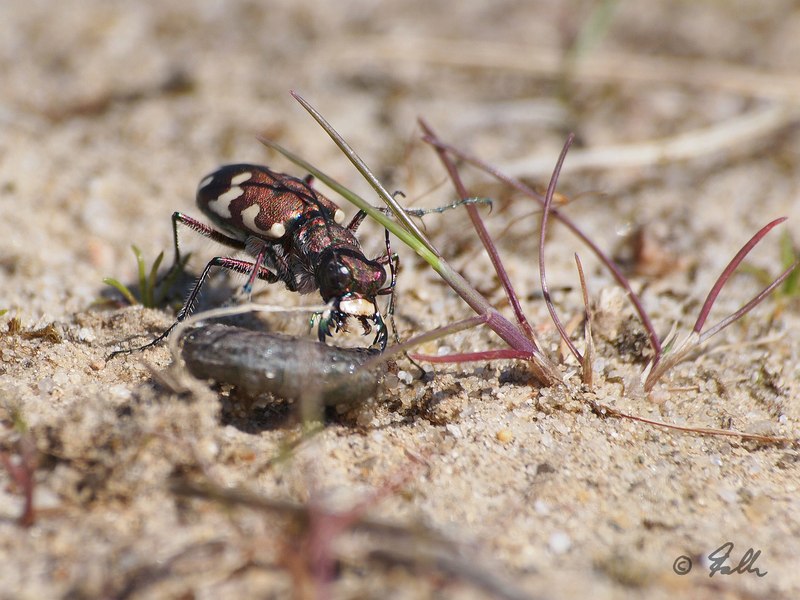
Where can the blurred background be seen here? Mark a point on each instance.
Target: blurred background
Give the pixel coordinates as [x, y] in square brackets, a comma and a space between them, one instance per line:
[112, 111]
[686, 120]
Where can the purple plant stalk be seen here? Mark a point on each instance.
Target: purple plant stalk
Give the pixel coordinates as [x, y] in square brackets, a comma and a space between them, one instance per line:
[548, 201]
[663, 360]
[676, 351]
[486, 240]
[23, 474]
[613, 268]
[326, 526]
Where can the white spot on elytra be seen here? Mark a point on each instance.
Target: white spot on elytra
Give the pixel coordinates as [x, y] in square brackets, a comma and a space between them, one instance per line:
[206, 181]
[231, 195]
[222, 205]
[249, 215]
[338, 216]
[241, 178]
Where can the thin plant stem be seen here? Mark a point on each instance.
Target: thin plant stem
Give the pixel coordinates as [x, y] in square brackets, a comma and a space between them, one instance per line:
[481, 356]
[429, 336]
[486, 240]
[152, 279]
[615, 271]
[606, 410]
[146, 301]
[548, 201]
[384, 194]
[587, 364]
[728, 271]
[750, 305]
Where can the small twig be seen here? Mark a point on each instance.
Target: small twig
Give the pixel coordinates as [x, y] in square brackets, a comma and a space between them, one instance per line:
[548, 61]
[395, 542]
[735, 132]
[483, 234]
[605, 410]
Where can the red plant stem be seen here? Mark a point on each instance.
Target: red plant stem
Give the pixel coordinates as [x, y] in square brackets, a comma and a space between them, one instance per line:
[750, 305]
[548, 201]
[723, 278]
[603, 409]
[428, 336]
[23, 475]
[483, 234]
[484, 355]
[497, 322]
[652, 336]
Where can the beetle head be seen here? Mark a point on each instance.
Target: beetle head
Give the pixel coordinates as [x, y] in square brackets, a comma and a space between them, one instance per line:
[343, 273]
[349, 282]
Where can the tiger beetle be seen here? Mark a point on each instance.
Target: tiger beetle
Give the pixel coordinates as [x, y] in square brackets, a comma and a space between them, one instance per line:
[296, 236]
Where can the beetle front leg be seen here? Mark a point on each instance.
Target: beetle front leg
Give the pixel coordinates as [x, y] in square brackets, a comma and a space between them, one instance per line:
[331, 318]
[393, 260]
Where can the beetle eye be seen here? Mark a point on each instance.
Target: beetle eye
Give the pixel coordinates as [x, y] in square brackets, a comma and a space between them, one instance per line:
[337, 277]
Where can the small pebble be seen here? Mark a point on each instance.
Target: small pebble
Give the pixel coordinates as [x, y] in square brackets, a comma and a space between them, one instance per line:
[405, 377]
[504, 436]
[454, 430]
[46, 385]
[559, 543]
[541, 507]
[85, 334]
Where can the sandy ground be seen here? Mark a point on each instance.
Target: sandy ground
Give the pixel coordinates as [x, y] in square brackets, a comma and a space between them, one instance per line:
[112, 112]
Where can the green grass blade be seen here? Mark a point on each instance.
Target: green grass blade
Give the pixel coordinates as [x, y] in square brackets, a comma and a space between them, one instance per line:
[142, 270]
[122, 289]
[367, 174]
[151, 280]
[395, 228]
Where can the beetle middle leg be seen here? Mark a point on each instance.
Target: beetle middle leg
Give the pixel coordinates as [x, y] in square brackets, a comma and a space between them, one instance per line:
[202, 229]
[224, 262]
[209, 232]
